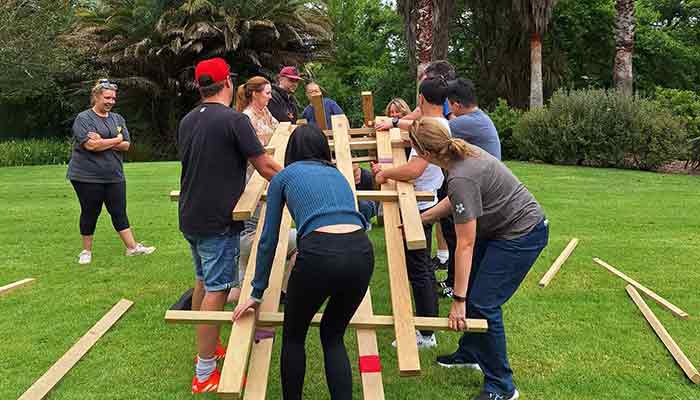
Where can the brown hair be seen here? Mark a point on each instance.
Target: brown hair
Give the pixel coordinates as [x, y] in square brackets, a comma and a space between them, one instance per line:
[100, 86]
[400, 105]
[430, 137]
[244, 94]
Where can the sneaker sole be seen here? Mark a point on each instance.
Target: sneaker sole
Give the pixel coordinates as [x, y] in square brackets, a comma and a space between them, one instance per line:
[468, 366]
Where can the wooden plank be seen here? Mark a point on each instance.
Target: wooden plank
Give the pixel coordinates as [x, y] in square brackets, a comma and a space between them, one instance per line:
[359, 320]
[558, 263]
[660, 300]
[370, 144]
[372, 384]
[43, 385]
[256, 185]
[361, 159]
[402, 308]
[372, 195]
[15, 285]
[368, 108]
[319, 111]
[354, 132]
[690, 371]
[258, 370]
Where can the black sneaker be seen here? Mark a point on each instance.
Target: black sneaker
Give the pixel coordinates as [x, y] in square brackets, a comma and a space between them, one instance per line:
[437, 265]
[444, 290]
[496, 396]
[456, 360]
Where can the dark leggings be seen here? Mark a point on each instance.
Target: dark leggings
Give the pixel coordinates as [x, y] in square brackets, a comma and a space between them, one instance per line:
[92, 196]
[337, 267]
[422, 278]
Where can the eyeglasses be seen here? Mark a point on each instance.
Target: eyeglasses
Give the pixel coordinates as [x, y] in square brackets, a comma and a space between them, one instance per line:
[106, 84]
[414, 137]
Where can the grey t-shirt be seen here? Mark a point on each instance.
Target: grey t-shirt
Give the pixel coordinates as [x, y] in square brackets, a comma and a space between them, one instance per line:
[477, 129]
[484, 188]
[96, 166]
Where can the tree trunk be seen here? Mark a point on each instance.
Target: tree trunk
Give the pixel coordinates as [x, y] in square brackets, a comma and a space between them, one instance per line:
[536, 96]
[442, 16]
[624, 46]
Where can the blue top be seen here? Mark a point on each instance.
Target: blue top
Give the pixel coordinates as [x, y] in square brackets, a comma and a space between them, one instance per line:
[477, 129]
[330, 107]
[316, 195]
[446, 108]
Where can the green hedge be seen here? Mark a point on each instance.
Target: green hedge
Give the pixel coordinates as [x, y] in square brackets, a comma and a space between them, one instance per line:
[34, 152]
[602, 128]
[686, 105]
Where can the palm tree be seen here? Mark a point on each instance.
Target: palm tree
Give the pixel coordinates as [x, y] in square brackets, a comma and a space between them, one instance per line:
[624, 46]
[534, 18]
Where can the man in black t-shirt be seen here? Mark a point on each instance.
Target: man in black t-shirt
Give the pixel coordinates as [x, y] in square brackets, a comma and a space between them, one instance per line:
[214, 145]
[283, 105]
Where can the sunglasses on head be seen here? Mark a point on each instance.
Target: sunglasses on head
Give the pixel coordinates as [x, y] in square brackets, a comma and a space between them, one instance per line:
[106, 84]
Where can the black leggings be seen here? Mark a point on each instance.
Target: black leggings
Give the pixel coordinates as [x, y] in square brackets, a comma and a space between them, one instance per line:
[422, 278]
[447, 225]
[92, 196]
[337, 267]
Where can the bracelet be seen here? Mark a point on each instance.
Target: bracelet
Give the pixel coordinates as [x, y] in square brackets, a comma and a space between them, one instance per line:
[458, 299]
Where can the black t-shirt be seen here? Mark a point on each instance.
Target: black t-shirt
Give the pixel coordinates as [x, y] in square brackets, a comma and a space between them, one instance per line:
[214, 144]
[283, 105]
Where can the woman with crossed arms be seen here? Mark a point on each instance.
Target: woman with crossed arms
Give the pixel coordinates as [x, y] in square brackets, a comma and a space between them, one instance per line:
[501, 230]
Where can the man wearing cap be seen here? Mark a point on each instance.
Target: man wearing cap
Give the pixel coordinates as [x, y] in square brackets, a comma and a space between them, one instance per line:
[283, 105]
[215, 143]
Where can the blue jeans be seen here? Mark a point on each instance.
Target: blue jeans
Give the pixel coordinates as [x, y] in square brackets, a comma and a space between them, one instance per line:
[498, 268]
[215, 259]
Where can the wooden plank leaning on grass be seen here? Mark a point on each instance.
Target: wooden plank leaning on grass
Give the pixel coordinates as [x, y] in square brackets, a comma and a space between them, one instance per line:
[660, 300]
[240, 345]
[43, 385]
[558, 263]
[402, 308]
[256, 185]
[12, 286]
[690, 371]
[372, 384]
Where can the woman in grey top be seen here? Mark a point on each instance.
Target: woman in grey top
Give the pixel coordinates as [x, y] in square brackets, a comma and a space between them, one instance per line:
[95, 169]
[501, 230]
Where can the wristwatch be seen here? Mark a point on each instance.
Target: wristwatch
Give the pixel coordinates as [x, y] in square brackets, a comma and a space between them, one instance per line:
[458, 299]
[395, 122]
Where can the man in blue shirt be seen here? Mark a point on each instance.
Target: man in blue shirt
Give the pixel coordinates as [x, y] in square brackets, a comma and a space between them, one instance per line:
[330, 106]
[470, 123]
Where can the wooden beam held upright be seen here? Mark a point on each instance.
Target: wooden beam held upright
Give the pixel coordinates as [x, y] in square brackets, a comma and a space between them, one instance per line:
[368, 108]
[319, 111]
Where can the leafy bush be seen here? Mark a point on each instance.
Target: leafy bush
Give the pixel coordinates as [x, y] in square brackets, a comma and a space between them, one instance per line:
[34, 152]
[506, 118]
[685, 104]
[601, 128]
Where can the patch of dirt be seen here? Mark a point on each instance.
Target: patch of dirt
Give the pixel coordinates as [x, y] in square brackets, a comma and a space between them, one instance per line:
[678, 167]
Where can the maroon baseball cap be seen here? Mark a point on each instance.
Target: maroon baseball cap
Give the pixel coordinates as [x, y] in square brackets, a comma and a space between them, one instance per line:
[290, 72]
[215, 68]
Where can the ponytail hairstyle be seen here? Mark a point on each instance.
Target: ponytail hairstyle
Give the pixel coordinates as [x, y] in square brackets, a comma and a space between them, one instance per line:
[431, 138]
[244, 94]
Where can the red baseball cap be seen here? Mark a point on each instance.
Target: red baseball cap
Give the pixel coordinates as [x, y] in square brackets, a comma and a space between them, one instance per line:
[290, 72]
[215, 68]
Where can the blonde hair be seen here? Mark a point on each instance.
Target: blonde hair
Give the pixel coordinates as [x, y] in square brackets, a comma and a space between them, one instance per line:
[430, 137]
[244, 94]
[400, 105]
[100, 86]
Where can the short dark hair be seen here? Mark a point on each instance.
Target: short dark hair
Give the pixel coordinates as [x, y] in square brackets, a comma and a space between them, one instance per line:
[434, 90]
[308, 142]
[440, 67]
[462, 91]
[207, 87]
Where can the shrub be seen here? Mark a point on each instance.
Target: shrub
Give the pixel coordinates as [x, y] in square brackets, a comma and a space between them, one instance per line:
[34, 152]
[601, 128]
[685, 105]
[505, 119]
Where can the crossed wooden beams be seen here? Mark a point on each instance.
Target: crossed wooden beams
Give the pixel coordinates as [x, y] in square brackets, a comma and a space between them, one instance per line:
[247, 363]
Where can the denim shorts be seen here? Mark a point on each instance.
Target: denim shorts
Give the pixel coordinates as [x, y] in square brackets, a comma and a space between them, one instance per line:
[215, 259]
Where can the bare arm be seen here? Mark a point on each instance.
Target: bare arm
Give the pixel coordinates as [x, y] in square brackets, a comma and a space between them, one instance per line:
[404, 123]
[407, 172]
[441, 210]
[265, 165]
[97, 144]
[123, 146]
[466, 236]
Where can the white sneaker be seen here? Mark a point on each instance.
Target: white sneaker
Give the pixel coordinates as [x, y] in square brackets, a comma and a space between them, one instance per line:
[85, 257]
[140, 249]
[423, 342]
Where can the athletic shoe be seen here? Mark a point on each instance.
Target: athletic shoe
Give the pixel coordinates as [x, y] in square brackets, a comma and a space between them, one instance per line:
[423, 342]
[140, 249]
[85, 257]
[444, 290]
[496, 396]
[210, 385]
[456, 360]
[438, 265]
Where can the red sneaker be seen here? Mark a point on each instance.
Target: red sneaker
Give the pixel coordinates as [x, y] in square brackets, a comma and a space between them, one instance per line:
[210, 385]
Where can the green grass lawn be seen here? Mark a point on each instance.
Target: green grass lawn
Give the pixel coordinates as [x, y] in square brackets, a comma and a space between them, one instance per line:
[581, 338]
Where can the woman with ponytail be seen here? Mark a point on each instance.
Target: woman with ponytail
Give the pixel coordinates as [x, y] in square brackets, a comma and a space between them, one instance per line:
[501, 230]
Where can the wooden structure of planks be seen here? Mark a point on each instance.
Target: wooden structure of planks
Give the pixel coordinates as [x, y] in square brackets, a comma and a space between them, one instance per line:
[558, 263]
[690, 371]
[660, 300]
[319, 111]
[372, 195]
[12, 286]
[273, 319]
[43, 385]
[368, 109]
[251, 196]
